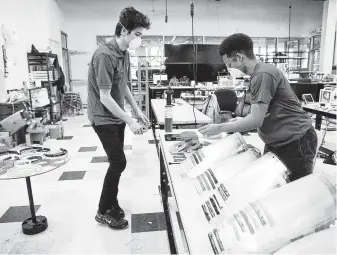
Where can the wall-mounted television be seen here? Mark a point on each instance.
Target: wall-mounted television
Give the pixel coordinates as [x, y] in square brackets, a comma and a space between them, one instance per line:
[180, 59]
[183, 53]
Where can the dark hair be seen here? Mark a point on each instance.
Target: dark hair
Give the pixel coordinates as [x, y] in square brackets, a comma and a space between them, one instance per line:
[237, 43]
[131, 19]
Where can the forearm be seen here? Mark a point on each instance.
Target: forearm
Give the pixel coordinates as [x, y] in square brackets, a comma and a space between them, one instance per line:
[241, 125]
[131, 100]
[114, 108]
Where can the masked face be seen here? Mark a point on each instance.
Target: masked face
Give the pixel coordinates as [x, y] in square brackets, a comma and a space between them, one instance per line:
[132, 39]
[237, 73]
[135, 43]
[237, 62]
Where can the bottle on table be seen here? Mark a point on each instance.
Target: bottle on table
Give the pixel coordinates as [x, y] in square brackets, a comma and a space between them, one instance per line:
[168, 111]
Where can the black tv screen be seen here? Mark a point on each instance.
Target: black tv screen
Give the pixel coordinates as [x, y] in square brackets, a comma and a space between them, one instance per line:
[178, 53]
[179, 61]
[205, 72]
[206, 53]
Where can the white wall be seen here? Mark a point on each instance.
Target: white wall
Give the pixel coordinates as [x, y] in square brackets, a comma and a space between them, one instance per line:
[328, 36]
[36, 21]
[258, 18]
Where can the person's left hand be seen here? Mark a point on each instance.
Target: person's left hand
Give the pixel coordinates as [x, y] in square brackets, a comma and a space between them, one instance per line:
[210, 130]
[141, 116]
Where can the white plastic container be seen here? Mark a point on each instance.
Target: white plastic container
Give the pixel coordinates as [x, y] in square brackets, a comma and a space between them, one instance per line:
[322, 242]
[231, 167]
[199, 161]
[225, 170]
[280, 216]
[265, 173]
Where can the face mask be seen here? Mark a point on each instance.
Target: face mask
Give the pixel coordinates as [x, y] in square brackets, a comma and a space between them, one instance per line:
[135, 43]
[245, 64]
[237, 73]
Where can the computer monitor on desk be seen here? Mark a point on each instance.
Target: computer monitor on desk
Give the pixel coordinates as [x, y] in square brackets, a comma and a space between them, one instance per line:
[307, 88]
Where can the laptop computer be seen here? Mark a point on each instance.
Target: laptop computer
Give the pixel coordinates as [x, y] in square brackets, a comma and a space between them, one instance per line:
[308, 99]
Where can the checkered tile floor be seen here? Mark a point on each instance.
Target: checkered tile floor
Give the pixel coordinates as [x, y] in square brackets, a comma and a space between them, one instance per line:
[68, 197]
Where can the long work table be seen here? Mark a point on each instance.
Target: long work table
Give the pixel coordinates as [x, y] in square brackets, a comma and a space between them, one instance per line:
[183, 113]
[181, 200]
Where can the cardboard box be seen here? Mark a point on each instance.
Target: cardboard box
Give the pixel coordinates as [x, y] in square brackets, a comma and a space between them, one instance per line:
[14, 122]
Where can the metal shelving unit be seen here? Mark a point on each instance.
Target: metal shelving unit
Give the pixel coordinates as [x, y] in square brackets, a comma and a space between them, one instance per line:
[41, 68]
[140, 89]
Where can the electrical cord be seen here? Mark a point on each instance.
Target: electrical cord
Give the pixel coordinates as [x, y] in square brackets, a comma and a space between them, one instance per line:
[194, 62]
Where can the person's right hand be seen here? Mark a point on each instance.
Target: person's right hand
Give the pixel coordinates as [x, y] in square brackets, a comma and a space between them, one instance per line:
[135, 127]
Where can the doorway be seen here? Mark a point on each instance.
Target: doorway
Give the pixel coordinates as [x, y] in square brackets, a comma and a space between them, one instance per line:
[66, 61]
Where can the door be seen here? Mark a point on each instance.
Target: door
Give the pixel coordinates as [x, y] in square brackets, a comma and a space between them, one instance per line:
[66, 61]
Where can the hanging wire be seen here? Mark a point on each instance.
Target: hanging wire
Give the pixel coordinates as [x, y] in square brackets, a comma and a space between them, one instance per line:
[289, 37]
[166, 17]
[194, 66]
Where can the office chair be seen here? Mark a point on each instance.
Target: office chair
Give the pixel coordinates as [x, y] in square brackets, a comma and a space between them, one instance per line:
[227, 101]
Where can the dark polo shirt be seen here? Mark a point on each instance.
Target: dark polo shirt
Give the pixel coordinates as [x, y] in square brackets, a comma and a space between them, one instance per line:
[108, 69]
[285, 120]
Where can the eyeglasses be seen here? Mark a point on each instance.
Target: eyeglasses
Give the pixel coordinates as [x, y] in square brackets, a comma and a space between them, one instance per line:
[228, 64]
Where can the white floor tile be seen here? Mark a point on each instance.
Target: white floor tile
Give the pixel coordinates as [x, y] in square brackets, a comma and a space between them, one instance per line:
[70, 206]
[150, 243]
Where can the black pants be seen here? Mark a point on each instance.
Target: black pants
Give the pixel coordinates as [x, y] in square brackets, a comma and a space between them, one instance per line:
[112, 139]
[298, 156]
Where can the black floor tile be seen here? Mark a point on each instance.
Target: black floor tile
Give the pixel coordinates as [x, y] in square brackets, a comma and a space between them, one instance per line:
[87, 149]
[102, 159]
[17, 214]
[88, 125]
[152, 142]
[65, 138]
[148, 222]
[72, 175]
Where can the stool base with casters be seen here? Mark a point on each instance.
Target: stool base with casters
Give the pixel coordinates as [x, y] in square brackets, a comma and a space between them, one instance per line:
[35, 224]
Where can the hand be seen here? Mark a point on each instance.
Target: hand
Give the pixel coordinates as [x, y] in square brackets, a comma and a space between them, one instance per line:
[210, 130]
[135, 127]
[141, 117]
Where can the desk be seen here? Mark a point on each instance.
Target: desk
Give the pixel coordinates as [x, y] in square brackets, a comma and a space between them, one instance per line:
[185, 201]
[154, 90]
[182, 113]
[26, 162]
[320, 112]
[194, 224]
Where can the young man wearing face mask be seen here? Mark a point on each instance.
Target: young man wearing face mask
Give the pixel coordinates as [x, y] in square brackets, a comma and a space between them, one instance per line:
[275, 110]
[108, 78]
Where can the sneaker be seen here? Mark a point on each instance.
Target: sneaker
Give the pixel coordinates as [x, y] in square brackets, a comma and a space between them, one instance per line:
[111, 221]
[116, 211]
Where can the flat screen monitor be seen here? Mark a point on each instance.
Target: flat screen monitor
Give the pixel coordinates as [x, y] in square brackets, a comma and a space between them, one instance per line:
[205, 72]
[183, 53]
[178, 53]
[208, 53]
